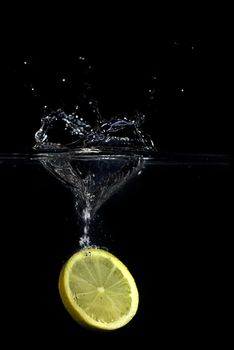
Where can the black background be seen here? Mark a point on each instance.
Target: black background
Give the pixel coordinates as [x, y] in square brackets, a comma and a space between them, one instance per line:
[188, 109]
[171, 226]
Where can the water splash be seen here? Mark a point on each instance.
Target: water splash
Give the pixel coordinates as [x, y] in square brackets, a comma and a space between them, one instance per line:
[94, 161]
[92, 180]
[61, 130]
[70, 131]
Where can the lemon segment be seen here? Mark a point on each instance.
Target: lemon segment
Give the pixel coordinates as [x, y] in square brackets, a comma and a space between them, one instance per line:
[98, 290]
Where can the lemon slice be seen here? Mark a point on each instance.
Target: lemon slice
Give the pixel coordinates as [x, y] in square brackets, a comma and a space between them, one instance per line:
[98, 290]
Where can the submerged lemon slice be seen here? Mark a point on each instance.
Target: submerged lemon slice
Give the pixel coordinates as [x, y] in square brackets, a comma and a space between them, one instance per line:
[98, 290]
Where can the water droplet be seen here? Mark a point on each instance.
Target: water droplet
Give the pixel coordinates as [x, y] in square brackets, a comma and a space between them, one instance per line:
[180, 91]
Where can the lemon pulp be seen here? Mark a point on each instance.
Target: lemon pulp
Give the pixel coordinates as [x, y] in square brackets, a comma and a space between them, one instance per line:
[98, 290]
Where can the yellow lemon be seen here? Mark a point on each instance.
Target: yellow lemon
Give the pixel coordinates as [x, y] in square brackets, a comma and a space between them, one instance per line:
[98, 290]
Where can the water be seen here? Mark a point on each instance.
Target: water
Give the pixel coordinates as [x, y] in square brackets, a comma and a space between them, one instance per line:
[92, 180]
[94, 162]
[70, 131]
[171, 226]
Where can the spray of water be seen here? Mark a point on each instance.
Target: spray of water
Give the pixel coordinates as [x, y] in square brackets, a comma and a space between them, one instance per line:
[70, 131]
[92, 179]
[93, 158]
